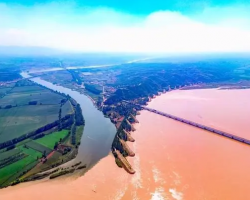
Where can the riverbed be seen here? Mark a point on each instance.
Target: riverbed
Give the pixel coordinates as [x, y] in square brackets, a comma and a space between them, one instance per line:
[173, 160]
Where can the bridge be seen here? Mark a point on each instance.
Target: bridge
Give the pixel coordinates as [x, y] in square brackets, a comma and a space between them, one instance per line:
[194, 124]
[197, 125]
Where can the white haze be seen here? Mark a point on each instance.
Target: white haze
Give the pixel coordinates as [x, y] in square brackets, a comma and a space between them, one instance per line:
[105, 30]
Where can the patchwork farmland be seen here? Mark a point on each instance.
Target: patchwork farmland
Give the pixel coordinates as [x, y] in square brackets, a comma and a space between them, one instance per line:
[36, 129]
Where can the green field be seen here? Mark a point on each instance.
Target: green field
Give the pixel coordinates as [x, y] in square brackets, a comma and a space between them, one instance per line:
[28, 89]
[38, 147]
[14, 170]
[9, 153]
[79, 132]
[67, 109]
[23, 142]
[24, 94]
[18, 121]
[50, 139]
[18, 118]
[58, 77]
[16, 167]
[31, 152]
[25, 118]
[24, 170]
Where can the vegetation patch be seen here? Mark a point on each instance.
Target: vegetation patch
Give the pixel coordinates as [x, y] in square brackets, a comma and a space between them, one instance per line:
[67, 109]
[12, 159]
[10, 170]
[93, 89]
[38, 147]
[22, 95]
[51, 139]
[61, 173]
[118, 162]
[81, 167]
[8, 154]
[33, 122]
[79, 132]
[31, 152]
[18, 121]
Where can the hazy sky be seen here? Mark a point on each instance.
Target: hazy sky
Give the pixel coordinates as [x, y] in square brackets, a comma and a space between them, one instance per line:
[128, 26]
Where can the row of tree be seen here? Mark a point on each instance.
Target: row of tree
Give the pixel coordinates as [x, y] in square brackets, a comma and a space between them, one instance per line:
[78, 121]
[11, 159]
[66, 121]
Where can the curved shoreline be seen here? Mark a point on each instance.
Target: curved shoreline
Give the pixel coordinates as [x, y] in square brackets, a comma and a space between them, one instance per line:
[87, 151]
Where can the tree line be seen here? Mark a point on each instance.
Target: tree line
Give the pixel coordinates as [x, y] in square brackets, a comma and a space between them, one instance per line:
[66, 121]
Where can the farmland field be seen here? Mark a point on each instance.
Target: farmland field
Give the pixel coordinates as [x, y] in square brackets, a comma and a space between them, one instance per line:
[30, 117]
[31, 152]
[9, 153]
[10, 170]
[24, 94]
[18, 121]
[18, 117]
[58, 77]
[79, 132]
[50, 139]
[21, 172]
[28, 89]
[38, 147]
[67, 109]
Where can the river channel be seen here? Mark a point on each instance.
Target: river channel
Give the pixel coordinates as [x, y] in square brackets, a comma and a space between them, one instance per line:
[98, 132]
